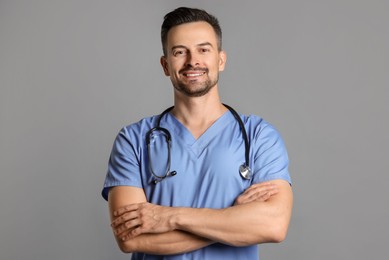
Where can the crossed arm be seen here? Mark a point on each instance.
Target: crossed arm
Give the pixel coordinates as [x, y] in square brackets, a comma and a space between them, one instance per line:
[260, 214]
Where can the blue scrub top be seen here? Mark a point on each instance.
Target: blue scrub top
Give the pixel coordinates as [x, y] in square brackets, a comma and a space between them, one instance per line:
[207, 168]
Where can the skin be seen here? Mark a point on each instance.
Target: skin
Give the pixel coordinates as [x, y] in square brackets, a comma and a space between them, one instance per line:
[172, 242]
[192, 47]
[260, 214]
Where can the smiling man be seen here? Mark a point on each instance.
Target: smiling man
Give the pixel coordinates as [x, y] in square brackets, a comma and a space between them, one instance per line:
[188, 48]
[198, 181]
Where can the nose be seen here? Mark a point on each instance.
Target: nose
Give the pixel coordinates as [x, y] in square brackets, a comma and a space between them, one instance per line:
[192, 60]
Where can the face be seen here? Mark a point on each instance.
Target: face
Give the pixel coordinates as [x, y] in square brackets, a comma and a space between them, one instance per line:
[193, 61]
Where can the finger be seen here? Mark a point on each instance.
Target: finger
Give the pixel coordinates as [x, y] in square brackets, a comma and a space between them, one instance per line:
[254, 197]
[130, 235]
[262, 195]
[260, 185]
[264, 192]
[258, 189]
[124, 209]
[125, 237]
[123, 218]
[120, 230]
[137, 231]
[129, 225]
[265, 196]
[143, 229]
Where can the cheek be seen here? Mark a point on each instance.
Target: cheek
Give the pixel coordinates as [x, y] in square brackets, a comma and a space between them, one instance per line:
[176, 67]
[215, 68]
[216, 64]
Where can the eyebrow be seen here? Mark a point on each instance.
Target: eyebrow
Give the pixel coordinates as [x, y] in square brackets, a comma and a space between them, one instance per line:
[198, 45]
[205, 44]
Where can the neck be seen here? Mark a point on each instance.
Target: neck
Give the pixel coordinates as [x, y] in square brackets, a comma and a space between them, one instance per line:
[198, 114]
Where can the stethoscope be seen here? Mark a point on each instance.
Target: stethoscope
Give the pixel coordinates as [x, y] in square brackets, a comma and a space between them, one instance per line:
[244, 169]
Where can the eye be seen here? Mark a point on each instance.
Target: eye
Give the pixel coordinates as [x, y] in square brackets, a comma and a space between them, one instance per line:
[204, 50]
[179, 52]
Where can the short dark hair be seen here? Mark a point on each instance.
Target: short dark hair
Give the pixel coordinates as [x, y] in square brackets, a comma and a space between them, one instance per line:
[183, 15]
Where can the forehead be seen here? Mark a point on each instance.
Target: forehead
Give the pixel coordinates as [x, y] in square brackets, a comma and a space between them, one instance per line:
[189, 34]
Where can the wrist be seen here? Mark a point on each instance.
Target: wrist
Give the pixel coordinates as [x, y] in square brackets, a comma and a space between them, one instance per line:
[176, 218]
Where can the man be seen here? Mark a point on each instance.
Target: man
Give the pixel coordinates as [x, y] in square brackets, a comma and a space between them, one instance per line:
[186, 199]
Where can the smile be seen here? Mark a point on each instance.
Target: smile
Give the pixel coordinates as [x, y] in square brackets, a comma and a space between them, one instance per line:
[193, 74]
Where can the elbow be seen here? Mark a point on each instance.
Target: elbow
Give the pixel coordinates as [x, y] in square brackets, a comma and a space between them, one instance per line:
[278, 228]
[274, 232]
[277, 234]
[126, 246]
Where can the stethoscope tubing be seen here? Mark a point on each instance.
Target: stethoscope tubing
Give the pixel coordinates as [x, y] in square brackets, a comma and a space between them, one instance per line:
[169, 138]
[244, 134]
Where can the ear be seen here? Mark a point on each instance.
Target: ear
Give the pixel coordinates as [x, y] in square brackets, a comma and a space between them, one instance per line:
[222, 60]
[164, 66]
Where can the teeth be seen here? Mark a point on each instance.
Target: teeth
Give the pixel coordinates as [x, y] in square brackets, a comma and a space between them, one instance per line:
[194, 75]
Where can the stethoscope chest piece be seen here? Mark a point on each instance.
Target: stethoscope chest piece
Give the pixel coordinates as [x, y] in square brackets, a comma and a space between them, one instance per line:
[245, 171]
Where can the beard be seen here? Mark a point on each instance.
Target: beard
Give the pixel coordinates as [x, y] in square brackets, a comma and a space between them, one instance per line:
[196, 89]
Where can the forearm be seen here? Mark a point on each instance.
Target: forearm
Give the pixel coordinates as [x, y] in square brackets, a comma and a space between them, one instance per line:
[254, 221]
[247, 224]
[169, 243]
[237, 226]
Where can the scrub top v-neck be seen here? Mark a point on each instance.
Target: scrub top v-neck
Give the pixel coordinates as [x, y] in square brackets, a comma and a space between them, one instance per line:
[207, 166]
[207, 169]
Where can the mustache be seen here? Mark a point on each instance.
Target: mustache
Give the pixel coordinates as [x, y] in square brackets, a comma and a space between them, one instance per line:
[193, 69]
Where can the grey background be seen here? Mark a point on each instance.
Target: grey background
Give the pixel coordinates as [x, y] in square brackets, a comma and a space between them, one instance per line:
[72, 73]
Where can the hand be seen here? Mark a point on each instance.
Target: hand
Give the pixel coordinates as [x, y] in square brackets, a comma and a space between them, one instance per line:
[257, 192]
[135, 219]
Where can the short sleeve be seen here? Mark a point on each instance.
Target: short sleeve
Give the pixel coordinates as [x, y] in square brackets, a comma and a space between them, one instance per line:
[270, 156]
[123, 164]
